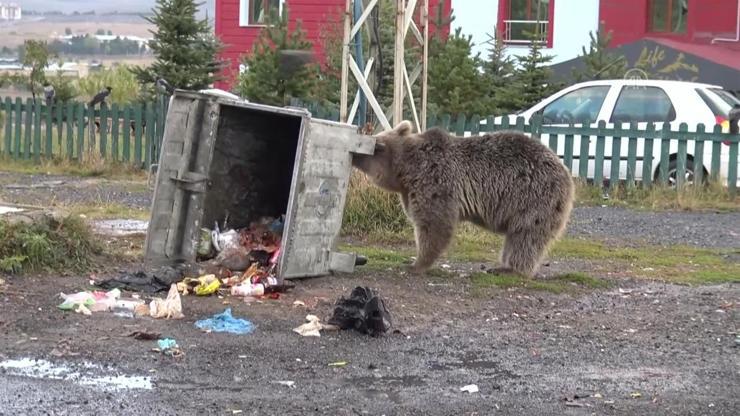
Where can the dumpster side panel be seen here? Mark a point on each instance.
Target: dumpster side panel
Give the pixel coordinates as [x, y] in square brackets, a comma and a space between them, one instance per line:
[314, 219]
[181, 181]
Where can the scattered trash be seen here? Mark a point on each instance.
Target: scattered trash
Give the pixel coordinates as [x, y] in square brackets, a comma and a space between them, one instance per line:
[470, 388]
[636, 395]
[202, 286]
[97, 301]
[338, 364]
[574, 404]
[287, 383]
[78, 302]
[145, 336]
[141, 281]
[312, 327]
[299, 303]
[625, 291]
[166, 343]
[598, 395]
[225, 322]
[364, 311]
[170, 308]
[168, 346]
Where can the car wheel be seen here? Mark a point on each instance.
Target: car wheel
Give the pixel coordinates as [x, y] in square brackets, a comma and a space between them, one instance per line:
[673, 172]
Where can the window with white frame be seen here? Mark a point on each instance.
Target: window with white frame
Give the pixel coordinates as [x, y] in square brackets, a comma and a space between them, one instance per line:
[256, 12]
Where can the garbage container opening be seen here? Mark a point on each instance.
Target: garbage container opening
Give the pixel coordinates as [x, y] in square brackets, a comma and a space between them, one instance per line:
[251, 170]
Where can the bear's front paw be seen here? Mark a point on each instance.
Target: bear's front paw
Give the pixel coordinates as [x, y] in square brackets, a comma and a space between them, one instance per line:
[415, 270]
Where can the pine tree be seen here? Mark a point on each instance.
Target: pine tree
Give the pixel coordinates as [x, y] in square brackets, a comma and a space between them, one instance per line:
[455, 83]
[185, 47]
[498, 71]
[533, 79]
[262, 80]
[599, 63]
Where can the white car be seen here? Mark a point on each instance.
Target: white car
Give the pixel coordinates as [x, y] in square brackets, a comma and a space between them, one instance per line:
[639, 101]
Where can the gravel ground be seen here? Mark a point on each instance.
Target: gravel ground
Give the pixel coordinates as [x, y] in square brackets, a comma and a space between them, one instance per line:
[637, 347]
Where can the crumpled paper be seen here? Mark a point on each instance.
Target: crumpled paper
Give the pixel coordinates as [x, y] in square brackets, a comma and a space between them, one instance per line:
[313, 326]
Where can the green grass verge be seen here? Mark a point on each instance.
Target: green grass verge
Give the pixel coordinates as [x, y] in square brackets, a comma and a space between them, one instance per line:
[61, 246]
[564, 283]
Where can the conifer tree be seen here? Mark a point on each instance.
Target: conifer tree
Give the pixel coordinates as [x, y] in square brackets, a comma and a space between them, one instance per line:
[498, 72]
[533, 80]
[185, 47]
[262, 80]
[599, 62]
[455, 83]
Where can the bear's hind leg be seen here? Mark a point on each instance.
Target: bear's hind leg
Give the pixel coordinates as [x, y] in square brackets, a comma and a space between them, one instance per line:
[523, 251]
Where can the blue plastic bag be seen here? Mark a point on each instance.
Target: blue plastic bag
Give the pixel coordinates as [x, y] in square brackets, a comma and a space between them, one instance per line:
[224, 322]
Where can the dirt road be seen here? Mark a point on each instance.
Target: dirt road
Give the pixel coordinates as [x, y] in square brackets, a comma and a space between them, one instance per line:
[636, 347]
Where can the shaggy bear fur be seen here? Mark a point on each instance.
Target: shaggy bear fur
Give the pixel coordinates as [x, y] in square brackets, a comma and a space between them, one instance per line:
[505, 182]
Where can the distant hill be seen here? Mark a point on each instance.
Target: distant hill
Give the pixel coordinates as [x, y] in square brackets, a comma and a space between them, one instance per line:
[129, 6]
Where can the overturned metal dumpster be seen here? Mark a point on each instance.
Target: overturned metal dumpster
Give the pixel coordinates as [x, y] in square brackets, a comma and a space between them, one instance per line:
[225, 159]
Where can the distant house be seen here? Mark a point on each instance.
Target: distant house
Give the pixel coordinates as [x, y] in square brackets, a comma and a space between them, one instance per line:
[239, 22]
[10, 11]
[677, 33]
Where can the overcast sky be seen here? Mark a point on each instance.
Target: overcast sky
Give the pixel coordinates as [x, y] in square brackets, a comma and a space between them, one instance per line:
[69, 6]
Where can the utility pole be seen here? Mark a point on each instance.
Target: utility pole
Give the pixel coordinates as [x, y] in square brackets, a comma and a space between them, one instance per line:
[402, 80]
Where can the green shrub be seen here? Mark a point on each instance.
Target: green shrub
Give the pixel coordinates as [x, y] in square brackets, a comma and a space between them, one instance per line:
[48, 244]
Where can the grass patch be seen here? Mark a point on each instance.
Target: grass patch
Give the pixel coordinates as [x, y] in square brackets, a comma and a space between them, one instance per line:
[371, 212]
[380, 258]
[713, 197]
[47, 244]
[93, 167]
[108, 211]
[565, 283]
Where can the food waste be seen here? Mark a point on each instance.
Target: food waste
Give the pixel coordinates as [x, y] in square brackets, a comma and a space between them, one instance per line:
[243, 260]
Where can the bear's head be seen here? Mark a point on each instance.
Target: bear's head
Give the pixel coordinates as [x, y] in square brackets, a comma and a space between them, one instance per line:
[380, 167]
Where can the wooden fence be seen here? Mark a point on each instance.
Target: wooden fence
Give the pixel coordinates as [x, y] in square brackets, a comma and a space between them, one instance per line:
[129, 133]
[645, 153]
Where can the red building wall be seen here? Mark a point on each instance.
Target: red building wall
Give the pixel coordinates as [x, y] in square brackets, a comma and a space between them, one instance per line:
[313, 14]
[707, 19]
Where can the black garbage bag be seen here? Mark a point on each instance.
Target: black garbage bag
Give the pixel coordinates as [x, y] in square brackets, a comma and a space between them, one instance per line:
[158, 280]
[364, 311]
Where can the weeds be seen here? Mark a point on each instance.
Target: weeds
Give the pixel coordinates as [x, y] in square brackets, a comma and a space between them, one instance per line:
[371, 211]
[90, 167]
[48, 244]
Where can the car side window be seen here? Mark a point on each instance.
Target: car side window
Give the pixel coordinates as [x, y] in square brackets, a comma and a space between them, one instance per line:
[579, 106]
[642, 104]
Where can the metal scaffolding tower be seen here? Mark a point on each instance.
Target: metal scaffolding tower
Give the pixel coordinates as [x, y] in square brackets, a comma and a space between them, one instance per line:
[402, 81]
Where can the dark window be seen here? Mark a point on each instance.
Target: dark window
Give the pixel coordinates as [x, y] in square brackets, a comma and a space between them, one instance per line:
[668, 16]
[527, 19]
[643, 104]
[579, 106]
[257, 11]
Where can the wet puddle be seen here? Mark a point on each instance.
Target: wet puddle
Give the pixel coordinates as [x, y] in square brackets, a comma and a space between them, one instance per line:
[120, 227]
[85, 374]
[4, 209]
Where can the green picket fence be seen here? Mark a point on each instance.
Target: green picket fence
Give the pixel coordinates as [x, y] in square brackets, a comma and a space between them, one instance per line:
[129, 134]
[633, 155]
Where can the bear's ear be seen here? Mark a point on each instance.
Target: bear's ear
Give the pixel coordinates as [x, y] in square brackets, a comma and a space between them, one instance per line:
[403, 128]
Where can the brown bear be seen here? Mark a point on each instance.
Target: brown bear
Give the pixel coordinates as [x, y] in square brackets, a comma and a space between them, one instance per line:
[505, 182]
